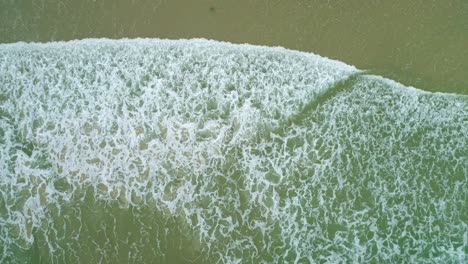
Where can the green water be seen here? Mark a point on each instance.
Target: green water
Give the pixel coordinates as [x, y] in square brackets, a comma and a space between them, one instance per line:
[150, 151]
[195, 151]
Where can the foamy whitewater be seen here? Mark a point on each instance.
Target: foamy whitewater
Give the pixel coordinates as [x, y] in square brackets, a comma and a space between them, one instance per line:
[173, 151]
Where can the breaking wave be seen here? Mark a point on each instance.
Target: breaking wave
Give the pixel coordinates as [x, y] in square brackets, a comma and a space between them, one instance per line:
[193, 151]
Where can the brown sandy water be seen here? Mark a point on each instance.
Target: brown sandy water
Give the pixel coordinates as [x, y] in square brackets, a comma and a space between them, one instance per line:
[418, 43]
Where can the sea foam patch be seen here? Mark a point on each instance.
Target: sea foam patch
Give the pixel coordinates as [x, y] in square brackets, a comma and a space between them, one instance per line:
[264, 154]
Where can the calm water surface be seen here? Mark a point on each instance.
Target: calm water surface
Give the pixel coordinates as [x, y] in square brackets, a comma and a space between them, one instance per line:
[419, 43]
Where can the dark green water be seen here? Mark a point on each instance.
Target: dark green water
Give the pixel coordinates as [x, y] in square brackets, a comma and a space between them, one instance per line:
[195, 151]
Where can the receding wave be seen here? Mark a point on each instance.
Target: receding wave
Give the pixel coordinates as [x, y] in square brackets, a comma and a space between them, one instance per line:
[195, 151]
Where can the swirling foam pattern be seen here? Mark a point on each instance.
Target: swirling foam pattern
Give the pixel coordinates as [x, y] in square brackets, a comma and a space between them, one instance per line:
[118, 151]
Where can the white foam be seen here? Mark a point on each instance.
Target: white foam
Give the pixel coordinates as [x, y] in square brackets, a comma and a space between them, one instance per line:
[204, 130]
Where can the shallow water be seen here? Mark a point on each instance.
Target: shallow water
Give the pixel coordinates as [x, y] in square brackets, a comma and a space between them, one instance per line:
[416, 42]
[195, 151]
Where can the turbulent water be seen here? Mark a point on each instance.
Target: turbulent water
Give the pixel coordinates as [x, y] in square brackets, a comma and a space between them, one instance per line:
[195, 151]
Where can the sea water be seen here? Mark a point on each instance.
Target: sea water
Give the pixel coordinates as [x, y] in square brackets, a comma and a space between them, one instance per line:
[196, 151]
[418, 43]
